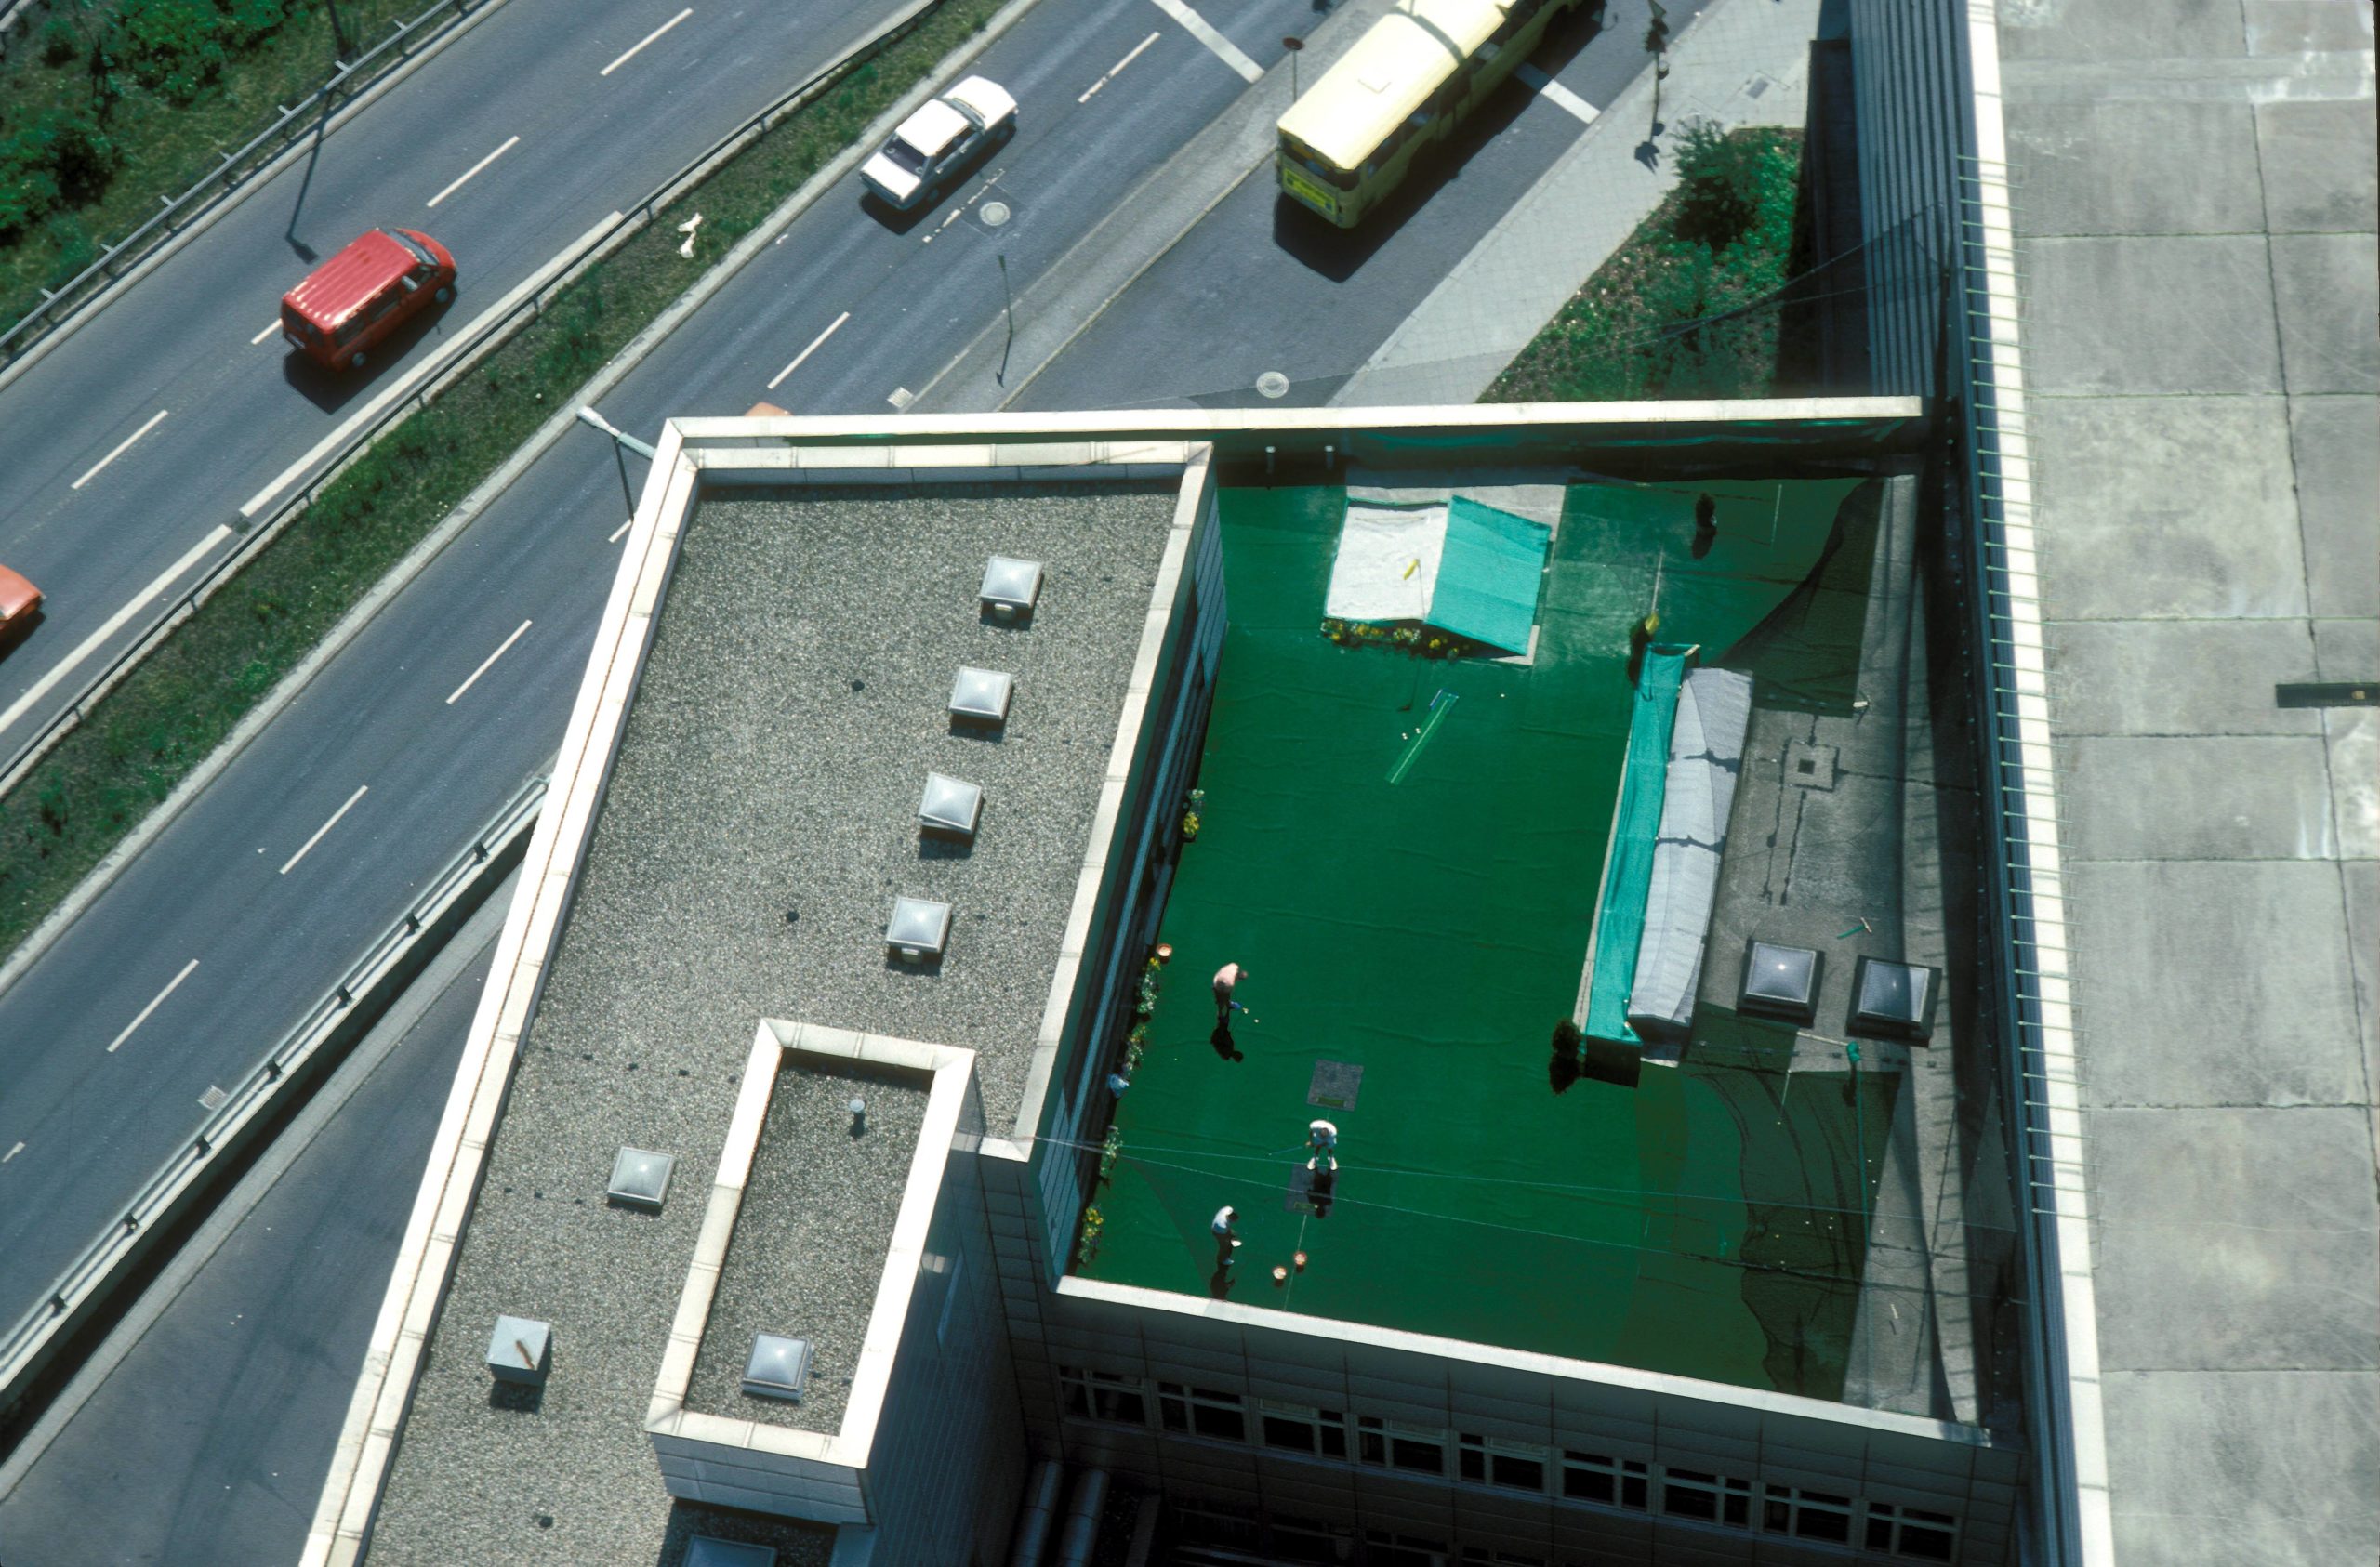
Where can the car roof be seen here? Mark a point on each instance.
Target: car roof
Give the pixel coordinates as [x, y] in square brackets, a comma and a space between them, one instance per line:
[933, 128]
[16, 595]
[350, 280]
[986, 98]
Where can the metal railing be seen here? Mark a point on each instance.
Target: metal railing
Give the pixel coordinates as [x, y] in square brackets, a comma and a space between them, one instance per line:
[366, 986]
[352, 78]
[587, 252]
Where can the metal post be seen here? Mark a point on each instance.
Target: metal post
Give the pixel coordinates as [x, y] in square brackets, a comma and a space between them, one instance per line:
[1008, 304]
[1295, 45]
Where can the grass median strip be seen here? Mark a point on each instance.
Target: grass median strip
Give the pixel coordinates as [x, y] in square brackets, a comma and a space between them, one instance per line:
[147, 734]
[1723, 240]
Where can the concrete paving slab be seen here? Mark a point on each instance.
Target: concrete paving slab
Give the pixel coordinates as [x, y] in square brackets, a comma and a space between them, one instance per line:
[2162, 315]
[2353, 738]
[2093, 30]
[2272, 1468]
[2215, 983]
[2327, 290]
[2360, 889]
[2181, 677]
[2199, 797]
[2129, 167]
[2285, 26]
[2347, 650]
[2231, 1242]
[2337, 443]
[2166, 508]
[2318, 165]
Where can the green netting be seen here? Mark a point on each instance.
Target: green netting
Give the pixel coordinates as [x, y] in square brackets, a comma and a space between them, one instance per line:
[1431, 932]
[1488, 575]
[1628, 864]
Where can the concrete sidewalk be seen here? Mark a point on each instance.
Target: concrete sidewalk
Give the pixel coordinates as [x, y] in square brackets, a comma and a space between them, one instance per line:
[1739, 62]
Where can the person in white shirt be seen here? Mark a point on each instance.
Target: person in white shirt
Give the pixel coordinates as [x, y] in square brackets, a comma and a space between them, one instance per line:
[1227, 979]
[1225, 1242]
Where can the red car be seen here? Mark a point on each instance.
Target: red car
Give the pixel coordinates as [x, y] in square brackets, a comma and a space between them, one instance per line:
[357, 297]
[20, 605]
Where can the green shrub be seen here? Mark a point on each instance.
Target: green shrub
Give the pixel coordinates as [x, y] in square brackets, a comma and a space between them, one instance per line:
[59, 41]
[174, 47]
[1719, 185]
[59, 159]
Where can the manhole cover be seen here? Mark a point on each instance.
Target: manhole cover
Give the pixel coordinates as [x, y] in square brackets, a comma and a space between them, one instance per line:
[1272, 384]
[993, 214]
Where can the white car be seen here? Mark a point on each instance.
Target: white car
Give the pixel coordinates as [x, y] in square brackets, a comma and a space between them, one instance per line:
[934, 143]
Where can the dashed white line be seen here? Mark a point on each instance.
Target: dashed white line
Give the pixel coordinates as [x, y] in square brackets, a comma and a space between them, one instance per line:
[466, 684]
[1117, 69]
[648, 38]
[1203, 30]
[152, 1006]
[113, 623]
[265, 334]
[901, 397]
[11, 1153]
[1557, 95]
[119, 450]
[474, 169]
[621, 529]
[832, 328]
[361, 791]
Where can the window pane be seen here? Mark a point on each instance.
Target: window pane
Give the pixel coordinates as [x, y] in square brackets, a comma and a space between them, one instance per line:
[1294, 1435]
[1334, 1441]
[1880, 1528]
[1632, 1491]
[1816, 1524]
[1688, 1501]
[1128, 1408]
[1373, 1449]
[1424, 1457]
[1522, 1474]
[1739, 1509]
[1776, 1515]
[1587, 1485]
[1926, 1545]
[1474, 1464]
[1206, 1420]
[1176, 1416]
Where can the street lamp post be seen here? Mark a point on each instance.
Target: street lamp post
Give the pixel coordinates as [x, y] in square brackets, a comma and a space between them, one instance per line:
[1296, 46]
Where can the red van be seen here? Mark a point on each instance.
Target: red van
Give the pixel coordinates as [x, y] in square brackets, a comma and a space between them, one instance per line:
[357, 297]
[20, 606]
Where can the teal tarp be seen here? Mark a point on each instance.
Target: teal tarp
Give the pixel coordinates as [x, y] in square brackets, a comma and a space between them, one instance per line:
[1636, 822]
[1488, 575]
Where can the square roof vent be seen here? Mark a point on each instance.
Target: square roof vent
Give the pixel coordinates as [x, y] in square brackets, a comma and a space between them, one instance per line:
[1012, 586]
[1893, 1000]
[950, 806]
[779, 1368]
[981, 695]
[709, 1550]
[640, 1177]
[920, 928]
[1781, 983]
[521, 1349]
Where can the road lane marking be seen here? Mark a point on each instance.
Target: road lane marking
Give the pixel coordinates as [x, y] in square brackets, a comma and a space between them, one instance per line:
[404, 386]
[152, 1006]
[360, 792]
[901, 397]
[265, 334]
[11, 1153]
[474, 169]
[648, 38]
[811, 349]
[113, 623]
[1203, 30]
[458, 691]
[1115, 69]
[126, 441]
[621, 529]
[1557, 95]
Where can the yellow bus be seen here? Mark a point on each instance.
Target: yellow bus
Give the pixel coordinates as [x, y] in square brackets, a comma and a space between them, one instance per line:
[1407, 84]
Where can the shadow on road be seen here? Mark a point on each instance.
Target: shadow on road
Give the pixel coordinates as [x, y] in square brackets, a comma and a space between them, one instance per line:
[331, 390]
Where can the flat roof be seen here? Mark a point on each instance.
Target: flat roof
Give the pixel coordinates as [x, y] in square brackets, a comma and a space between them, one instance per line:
[758, 821]
[1411, 883]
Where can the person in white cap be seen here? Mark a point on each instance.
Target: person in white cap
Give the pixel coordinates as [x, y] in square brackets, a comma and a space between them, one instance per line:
[1322, 1146]
[1225, 1242]
[1227, 979]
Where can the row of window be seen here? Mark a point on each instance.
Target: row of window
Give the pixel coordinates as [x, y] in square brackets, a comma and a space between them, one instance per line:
[1580, 1477]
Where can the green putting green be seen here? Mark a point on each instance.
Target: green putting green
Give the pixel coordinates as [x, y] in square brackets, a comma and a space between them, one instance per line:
[1428, 923]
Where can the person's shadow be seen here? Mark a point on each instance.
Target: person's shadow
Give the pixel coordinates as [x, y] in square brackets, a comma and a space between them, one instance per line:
[1221, 1039]
[1562, 1071]
[1218, 1283]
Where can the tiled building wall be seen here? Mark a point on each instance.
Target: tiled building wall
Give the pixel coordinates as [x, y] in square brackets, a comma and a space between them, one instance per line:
[948, 1465]
[1779, 1456]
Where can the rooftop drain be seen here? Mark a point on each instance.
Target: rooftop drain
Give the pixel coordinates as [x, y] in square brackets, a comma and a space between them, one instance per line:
[779, 1368]
[981, 696]
[950, 806]
[1781, 983]
[920, 928]
[521, 1349]
[709, 1550]
[641, 1179]
[1893, 1000]
[1010, 586]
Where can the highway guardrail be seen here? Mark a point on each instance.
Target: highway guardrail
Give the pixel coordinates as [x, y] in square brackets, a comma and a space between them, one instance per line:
[301, 1058]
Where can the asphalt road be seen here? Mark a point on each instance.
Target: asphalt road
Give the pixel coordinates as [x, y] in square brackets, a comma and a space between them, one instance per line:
[222, 931]
[213, 415]
[205, 1426]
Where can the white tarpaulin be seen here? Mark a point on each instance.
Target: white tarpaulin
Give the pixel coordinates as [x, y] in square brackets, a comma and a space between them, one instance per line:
[1706, 755]
[1387, 565]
